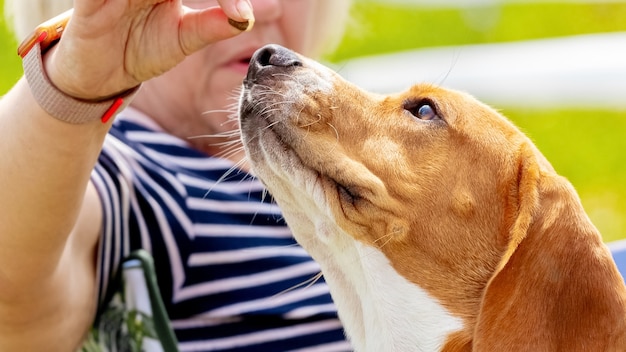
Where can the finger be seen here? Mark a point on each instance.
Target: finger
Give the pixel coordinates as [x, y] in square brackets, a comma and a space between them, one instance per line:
[238, 10]
[203, 27]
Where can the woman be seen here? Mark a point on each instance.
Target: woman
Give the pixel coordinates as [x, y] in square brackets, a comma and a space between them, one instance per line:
[82, 193]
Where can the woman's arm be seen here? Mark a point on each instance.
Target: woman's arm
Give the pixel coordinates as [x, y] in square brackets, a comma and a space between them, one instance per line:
[49, 214]
[46, 275]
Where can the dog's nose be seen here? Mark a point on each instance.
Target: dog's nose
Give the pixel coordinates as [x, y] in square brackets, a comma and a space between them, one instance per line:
[270, 58]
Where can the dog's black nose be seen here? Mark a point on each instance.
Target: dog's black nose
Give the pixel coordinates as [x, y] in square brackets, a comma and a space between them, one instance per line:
[271, 57]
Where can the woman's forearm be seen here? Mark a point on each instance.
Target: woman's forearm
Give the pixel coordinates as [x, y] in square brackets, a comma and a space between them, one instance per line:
[45, 166]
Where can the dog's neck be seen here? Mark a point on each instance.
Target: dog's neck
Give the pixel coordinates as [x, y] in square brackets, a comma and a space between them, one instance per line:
[380, 310]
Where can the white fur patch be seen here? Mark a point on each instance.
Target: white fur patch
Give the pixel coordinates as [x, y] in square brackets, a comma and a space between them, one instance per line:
[380, 309]
[400, 315]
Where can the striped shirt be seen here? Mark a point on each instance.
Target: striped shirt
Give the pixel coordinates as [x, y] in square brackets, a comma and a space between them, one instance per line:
[230, 274]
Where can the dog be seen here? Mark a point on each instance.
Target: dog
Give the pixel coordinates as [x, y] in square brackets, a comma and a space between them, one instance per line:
[437, 224]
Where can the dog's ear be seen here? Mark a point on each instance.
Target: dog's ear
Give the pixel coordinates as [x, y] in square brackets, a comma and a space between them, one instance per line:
[556, 287]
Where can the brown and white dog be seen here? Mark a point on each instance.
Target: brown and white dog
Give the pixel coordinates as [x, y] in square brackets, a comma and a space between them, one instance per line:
[437, 224]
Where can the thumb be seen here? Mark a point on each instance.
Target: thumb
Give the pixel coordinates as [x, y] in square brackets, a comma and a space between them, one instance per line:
[199, 28]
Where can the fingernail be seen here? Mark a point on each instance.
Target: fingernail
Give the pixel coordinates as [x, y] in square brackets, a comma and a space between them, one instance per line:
[245, 10]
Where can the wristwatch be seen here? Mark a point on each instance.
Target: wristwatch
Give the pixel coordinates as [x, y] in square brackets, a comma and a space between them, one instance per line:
[56, 103]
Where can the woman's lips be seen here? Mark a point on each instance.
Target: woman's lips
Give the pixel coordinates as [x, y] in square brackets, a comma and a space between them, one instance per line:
[240, 60]
[241, 66]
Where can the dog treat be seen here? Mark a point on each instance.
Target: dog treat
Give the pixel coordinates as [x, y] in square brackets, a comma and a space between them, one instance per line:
[242, 26]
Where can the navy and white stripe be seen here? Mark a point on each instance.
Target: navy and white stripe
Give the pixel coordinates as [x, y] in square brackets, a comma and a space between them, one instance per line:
[230, 274]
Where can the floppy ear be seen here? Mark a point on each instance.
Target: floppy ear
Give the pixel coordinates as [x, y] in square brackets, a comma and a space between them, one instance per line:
[556, 287]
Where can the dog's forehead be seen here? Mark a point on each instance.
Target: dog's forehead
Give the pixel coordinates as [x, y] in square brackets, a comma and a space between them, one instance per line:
[427, 90]
[444, 98]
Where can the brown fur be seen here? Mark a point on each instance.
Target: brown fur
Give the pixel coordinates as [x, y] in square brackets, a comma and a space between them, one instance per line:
[466, 208]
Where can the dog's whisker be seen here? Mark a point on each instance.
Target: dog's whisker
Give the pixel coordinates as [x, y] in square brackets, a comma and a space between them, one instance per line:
[319, 118]
[305, 284]
[272, 124]
[334, 129]
[385, 236]
[279, 74]
[455, 59]
[388, 238]
[232, 151]
[222, 178]
[208, 112]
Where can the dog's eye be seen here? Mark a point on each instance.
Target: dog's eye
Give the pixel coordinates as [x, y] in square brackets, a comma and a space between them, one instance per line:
[426, 112]
[423, 110]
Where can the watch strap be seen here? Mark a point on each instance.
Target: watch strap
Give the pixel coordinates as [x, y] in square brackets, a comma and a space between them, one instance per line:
[65, 107]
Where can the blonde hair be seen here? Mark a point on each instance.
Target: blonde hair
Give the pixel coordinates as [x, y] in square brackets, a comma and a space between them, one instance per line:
[331, 17]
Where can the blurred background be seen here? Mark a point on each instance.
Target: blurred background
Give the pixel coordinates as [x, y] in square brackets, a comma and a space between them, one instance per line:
[556, 68]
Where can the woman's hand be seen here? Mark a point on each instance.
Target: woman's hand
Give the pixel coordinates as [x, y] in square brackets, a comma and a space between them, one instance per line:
[110, 46]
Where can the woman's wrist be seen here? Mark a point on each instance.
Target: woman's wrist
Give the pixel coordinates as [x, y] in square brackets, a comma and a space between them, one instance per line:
[53, 100]
[62, 106]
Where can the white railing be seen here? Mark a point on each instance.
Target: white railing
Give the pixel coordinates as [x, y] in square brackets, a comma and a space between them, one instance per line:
[585, 70]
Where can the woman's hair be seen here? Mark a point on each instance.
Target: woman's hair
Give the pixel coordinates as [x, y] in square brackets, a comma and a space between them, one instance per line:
[331, 17]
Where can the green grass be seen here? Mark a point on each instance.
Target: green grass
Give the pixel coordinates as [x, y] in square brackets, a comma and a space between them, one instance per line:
[586, 146]
[380, 28]
[9, 60]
